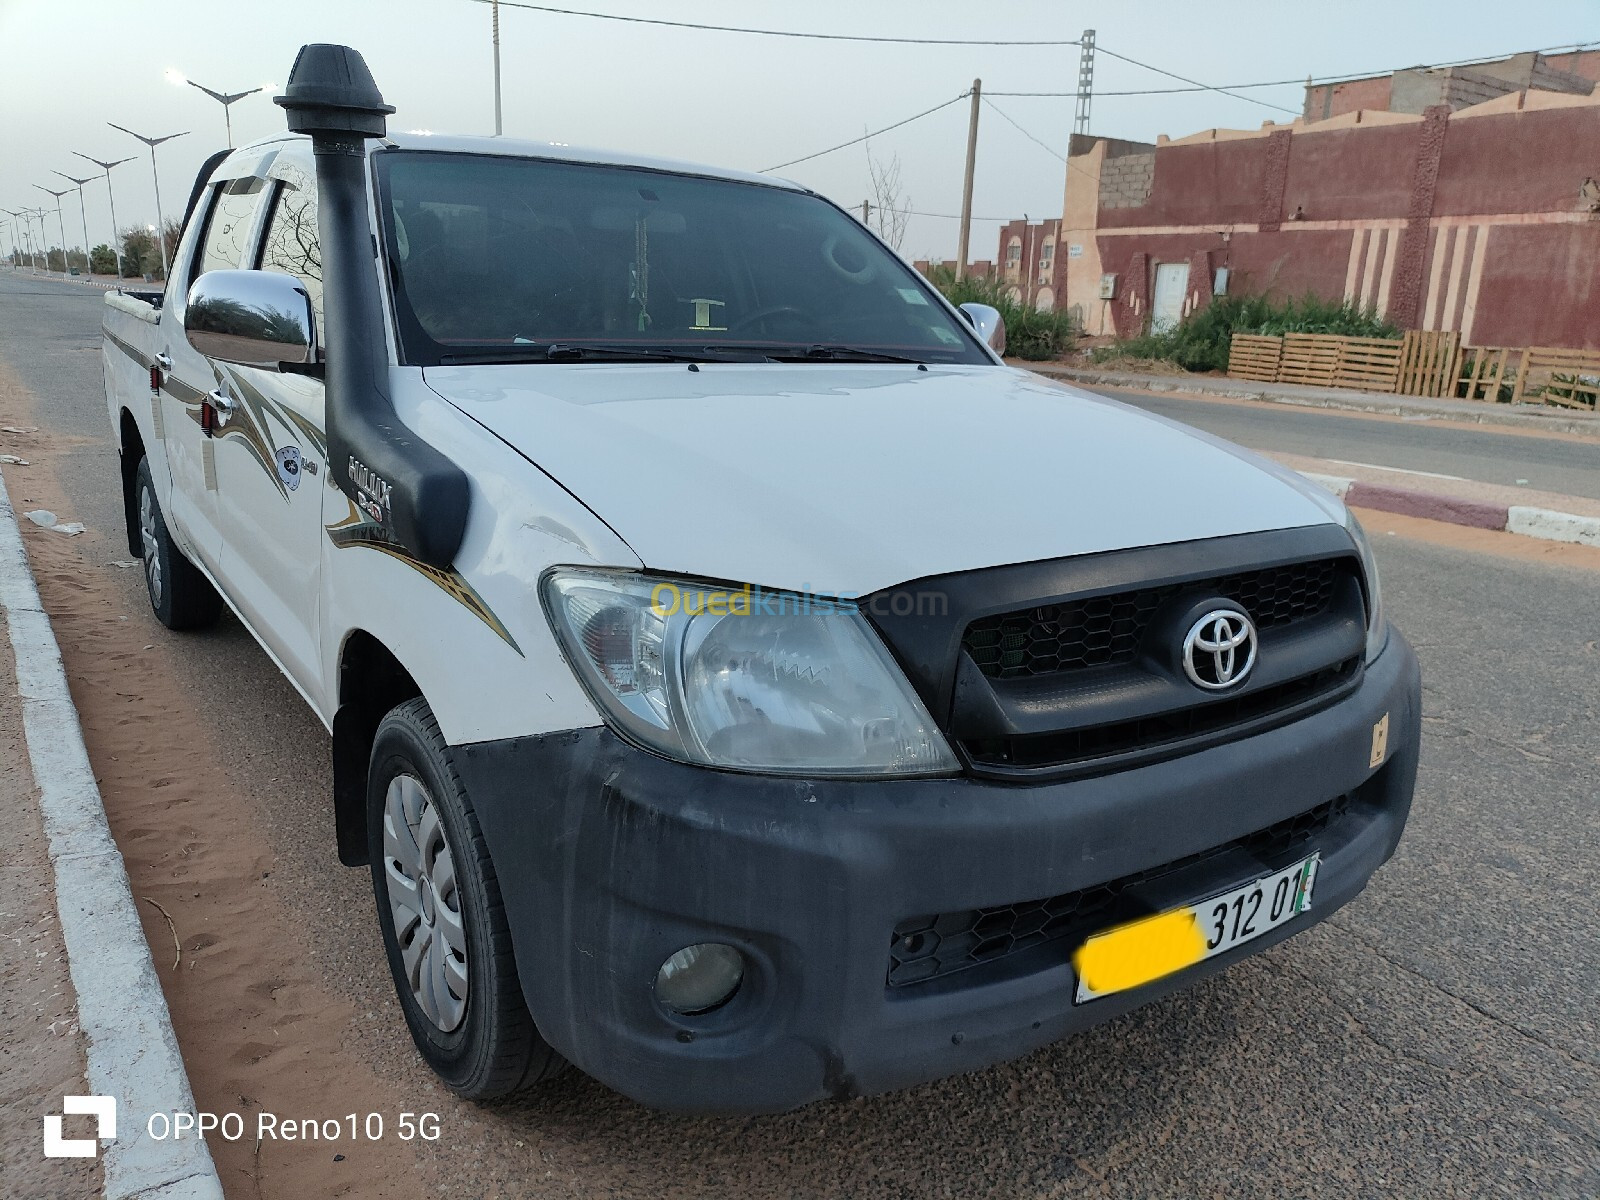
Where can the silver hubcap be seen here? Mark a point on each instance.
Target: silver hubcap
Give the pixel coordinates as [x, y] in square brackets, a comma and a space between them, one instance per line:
[425, 902]
[147, 537]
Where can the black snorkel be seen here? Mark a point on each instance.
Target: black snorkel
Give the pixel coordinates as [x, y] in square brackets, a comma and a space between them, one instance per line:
[415, 493]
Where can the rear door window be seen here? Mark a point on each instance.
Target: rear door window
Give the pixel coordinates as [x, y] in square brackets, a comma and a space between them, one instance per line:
[292, 245]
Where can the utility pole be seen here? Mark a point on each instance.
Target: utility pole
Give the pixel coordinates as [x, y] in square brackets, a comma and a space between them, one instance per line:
[866, 213]
[83, 212]
[1080, 116]
[966, 187]
[494, 19]
[66, 266]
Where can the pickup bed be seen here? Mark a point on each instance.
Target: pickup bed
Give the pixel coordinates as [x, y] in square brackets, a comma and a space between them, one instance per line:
[743, 685]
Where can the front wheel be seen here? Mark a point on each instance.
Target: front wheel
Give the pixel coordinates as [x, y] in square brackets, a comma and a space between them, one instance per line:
[181, 596]
[443, 922]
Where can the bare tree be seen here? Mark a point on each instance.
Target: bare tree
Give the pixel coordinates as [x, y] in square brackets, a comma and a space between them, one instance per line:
[890, 210]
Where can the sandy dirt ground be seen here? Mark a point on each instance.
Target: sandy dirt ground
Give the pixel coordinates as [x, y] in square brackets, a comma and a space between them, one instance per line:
[41, 1050]
[258, 1033]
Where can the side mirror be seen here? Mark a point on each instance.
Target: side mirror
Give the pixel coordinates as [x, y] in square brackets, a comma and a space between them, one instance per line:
[251, 318]
[991, 326]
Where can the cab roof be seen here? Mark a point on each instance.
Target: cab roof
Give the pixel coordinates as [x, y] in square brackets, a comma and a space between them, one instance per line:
[557, 151]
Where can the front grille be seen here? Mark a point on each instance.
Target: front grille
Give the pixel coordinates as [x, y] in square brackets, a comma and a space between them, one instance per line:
[925, 948]
[1108, 630]
[1150, 733]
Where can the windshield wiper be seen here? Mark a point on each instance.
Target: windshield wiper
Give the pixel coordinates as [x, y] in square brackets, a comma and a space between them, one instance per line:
[582, 351]
[821, 353]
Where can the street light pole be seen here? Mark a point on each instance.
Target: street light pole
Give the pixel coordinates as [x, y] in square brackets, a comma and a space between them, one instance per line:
[83, 212]
[61, 225]
[226, 99]
[116, 242]
[15, 217]
[161, 221]
[37, 214]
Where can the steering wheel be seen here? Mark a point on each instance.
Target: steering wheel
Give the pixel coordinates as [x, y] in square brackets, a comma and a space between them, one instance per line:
[772, 310]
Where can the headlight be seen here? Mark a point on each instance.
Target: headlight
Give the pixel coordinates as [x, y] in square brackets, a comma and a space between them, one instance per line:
[702, 674]
[1377, 627]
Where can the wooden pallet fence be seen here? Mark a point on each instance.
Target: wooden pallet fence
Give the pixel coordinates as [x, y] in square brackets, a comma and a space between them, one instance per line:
[1251, 356]
[1309, 358]
[1368, 364]
[1570, 378]
[1483, 370]
[1428, 363]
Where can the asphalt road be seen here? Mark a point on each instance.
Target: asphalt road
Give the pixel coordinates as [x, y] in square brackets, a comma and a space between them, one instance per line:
[1568, 465]
[1438, 1037]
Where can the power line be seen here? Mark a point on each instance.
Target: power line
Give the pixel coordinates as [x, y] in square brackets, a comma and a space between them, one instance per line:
[1007, 117]
[789, 33]
[866, 136]
[1196, 82]
[1565, 48]
[1201, 87]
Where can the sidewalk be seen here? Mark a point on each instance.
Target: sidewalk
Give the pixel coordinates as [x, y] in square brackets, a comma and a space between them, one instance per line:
[1546, 515]
[43, 1047]
[1543, 418]
[82, 1013]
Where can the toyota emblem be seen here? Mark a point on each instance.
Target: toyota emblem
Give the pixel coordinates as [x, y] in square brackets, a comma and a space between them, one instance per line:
[1219, 650]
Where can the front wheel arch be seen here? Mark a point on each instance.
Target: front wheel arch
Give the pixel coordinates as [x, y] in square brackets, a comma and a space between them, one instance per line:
[372, 682]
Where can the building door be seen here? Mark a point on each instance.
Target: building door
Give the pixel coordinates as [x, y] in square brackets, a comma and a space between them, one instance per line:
[1172, 284]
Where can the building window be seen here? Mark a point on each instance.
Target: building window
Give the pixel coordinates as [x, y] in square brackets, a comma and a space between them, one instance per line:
[1014, 254]
[1047, 260]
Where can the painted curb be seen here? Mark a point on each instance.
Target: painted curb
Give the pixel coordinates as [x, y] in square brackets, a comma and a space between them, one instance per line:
[130, 1049]
[1432, 507]
[1520, 519]
[1556, 526]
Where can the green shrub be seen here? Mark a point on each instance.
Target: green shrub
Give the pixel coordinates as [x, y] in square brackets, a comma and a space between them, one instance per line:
[1030, 334]
[1200, 342]
[103, 260]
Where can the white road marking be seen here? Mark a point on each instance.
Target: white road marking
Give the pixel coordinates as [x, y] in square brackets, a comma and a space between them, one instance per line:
[1344, 462]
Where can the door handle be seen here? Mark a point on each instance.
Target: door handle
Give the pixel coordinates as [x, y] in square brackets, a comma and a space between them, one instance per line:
[164, 362]
[222, 403]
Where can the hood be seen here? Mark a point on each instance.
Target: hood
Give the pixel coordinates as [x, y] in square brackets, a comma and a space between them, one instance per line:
[843, 479]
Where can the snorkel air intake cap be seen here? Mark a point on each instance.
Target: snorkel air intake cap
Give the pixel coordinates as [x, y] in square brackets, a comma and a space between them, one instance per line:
[331, 90]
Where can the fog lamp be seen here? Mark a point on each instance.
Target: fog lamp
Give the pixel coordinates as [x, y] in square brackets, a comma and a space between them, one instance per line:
[700, 978]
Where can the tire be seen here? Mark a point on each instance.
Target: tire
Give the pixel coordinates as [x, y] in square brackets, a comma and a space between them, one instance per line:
[181, 596]
[439, 904]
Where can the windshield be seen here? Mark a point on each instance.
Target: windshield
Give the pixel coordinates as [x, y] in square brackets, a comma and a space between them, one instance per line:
[548, 261]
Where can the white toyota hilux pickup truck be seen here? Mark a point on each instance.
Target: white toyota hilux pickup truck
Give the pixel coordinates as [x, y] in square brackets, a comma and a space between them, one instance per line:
[743, 685]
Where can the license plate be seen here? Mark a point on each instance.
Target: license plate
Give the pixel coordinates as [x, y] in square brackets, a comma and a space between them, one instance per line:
[1148, 949]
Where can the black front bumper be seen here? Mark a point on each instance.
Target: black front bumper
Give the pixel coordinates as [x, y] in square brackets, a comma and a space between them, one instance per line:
[610, 859]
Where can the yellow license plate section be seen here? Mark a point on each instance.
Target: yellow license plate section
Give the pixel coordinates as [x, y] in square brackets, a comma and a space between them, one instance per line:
[1140, 952]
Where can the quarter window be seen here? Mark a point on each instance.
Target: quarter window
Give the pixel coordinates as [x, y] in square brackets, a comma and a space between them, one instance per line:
[228, 227]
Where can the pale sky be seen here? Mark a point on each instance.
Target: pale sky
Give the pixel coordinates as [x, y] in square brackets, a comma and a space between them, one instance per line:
[722, 98]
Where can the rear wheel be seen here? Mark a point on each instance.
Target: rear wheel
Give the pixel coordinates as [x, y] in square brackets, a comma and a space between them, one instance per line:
[181, 596]
[443, 922]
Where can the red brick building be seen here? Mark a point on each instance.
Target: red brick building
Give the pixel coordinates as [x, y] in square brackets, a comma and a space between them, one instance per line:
[1028, 266]
[1483, 219]
[1419, 88]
